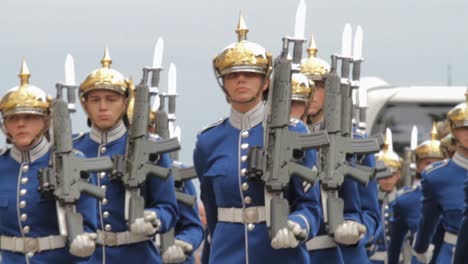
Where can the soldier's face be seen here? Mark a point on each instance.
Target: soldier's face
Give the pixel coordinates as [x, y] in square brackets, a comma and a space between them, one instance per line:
[297, 109]
[461, 134]
[24, 128]
[318, 99]
[105, 108]
[387, 184]
[243, 86]
[422, 164]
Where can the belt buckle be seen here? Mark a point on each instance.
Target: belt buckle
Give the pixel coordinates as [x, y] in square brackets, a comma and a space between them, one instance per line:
[250, 215]
[31, 245]
[110, 239]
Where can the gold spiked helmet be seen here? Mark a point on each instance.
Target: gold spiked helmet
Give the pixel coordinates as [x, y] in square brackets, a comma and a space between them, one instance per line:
[243, 56]
[387, 155]
[430, 148]
[25, 98]
[313, 67]
[448, 145]
[104, 78]
[302, 88]
[458, 116]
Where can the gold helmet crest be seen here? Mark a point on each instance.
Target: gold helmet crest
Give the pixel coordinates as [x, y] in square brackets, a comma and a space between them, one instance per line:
[302, 88]
[313, 67]
[387, 155]
[131, 104]
[104, 78]
[430, 148]
[25, 98]
[458, 116]
[448, 145]
[243, 56]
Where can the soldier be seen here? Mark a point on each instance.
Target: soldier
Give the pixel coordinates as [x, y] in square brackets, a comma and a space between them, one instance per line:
[29, 228]
[442, 192]
[302, 92]
[360, 202]
[448, 146]
[407, 205]
[104, 97]
[235, 207]
[387, 195]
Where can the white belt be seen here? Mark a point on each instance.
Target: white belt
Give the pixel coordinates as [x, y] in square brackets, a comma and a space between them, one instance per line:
[379, 256]
[255, 214]
[31, 244]
[321, 242]
[112, 239]
[450, 238]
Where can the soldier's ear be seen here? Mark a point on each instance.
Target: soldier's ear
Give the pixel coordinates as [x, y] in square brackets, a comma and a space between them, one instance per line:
[266, 84]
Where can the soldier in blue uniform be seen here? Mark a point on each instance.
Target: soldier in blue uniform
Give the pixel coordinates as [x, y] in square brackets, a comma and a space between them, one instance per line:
[407, 205]
[235, 207]
[104, 97]
[387, 195]
[442, 191]
[28, 222]
[361, 207]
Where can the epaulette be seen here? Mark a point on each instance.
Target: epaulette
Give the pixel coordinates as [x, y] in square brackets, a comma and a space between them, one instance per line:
[435, 165]
[406, 189]
[78, 136]
[221, 120]
[3, 150]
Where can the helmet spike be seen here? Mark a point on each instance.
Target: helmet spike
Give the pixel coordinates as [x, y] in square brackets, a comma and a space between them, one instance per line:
[24, 74]
[434, 131]
[106, 59]
[388, 144]
[312, 50]
[242, 29]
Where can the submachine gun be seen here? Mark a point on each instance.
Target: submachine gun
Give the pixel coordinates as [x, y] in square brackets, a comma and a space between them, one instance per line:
[275, 164]
[138, 163]
[338, 124]
[66, 177]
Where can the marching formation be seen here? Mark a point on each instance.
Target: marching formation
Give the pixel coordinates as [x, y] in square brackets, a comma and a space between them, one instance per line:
[290, 176]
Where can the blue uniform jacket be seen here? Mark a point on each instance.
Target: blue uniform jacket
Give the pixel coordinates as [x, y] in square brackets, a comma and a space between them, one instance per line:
[461, 252]
[24, 211]
[442, 195]
[158, 194]
[219, 159]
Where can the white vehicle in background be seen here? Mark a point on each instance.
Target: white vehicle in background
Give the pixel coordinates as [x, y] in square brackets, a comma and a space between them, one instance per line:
[401, 107]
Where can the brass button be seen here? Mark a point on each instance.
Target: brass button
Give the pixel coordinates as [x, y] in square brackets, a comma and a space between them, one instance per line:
[102, 175]
[250, 215]
[24, 217]
[108, 228]
[26, 229]
[245, 186]
[23, 192]
[243, 172]
[103, 150]
[104, 187]
[247, 200]
[245, 134]
[24, 180]
[25, 168]
[22, 204]
[104, 201]
[250, 227]
[245, 146]
[244, 158]
[29, 254]
[105, 214]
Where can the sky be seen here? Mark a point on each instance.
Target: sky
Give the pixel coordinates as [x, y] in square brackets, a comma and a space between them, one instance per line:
[406, 42]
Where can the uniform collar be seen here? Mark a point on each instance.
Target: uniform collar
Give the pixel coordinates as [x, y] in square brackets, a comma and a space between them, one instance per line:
[320, 125]
[416, 183]
[460, 160]
[249, 119]
[108, 136]
[34, 153]
[391, 195]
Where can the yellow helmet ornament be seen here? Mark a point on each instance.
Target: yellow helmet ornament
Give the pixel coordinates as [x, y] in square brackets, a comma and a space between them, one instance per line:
[458, 116]
[104, 78]
[448, 145]
[313, 67]
[131, 104]
[387, 155]
[25, 98]
[242, 56]
[430, 148]
[302, 88]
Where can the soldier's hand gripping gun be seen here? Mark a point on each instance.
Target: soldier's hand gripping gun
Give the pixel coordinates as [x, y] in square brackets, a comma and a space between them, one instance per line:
[275, 164]
[338, 124]
[138, 163]
[65, 178]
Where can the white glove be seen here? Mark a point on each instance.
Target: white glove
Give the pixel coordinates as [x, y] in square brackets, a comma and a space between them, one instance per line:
[83, 245]
[426, 256]
[349, 232]
[146, 225]
[288, 237]
[178, 252]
